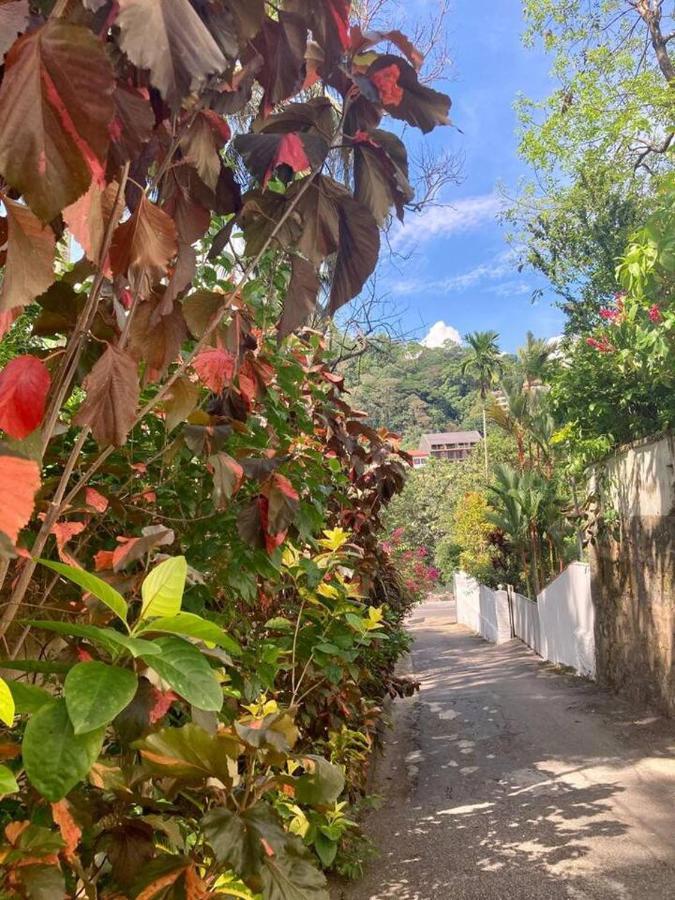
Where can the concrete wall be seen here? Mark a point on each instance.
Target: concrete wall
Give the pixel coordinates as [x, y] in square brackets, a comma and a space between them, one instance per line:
[481, 609]
[567, 620]
[633, 573]
[526, 621]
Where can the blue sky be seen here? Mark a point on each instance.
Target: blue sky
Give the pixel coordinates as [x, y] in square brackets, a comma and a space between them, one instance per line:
[461, 271]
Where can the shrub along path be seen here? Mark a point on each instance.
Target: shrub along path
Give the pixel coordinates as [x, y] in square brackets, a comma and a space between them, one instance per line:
[505, 779]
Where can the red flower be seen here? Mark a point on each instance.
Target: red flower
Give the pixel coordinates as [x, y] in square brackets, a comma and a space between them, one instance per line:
[602, 345]
[610, 314]
[655, 314]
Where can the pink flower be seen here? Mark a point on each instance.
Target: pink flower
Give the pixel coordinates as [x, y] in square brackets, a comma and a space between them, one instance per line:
[610, 314]
[655, 314]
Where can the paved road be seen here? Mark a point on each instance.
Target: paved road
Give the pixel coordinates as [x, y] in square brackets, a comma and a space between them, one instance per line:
[505, 780]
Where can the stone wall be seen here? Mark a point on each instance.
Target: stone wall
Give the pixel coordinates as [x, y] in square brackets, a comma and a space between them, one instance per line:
[633, 573]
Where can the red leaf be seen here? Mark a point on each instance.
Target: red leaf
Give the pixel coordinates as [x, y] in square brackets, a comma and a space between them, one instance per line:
[112, 397]
[215, 368]
[65, 532]
[70, 830]
[24, 385]
[162, 704]
[55, 109]
[290, 152]
[386, 82]
[19, 482]
[103, 560]
[143, 246]
[29, 270]
[7, 319]
[96, 500]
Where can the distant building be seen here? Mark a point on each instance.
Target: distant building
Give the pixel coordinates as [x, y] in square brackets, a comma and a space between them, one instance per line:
[452, 445]
[419, 458]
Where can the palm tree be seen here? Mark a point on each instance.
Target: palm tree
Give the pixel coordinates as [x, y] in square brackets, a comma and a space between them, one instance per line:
[484, 365]
[533, 362]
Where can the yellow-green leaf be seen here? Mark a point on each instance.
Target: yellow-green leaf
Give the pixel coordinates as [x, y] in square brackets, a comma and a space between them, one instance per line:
[162, 590]
[6, 704]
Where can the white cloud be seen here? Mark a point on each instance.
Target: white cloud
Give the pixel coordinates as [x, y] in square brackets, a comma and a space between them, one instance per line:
[440, 221]
[439, 333]
[501, 266]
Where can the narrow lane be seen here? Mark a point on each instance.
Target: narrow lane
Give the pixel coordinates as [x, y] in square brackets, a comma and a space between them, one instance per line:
[505, 779]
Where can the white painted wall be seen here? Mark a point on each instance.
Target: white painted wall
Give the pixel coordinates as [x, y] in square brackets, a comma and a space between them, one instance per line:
[526, 621]
[481, 609]
[559, 626]
[567, 620]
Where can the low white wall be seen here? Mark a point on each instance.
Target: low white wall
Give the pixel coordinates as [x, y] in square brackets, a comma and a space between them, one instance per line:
[567, 620]
[560, 626]
[526, 621]
[481, 609]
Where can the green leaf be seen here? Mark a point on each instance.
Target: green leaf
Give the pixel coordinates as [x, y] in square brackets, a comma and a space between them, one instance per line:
[190, 625]
[163, 588]
[42, 882]
[8, 783]
[6, 703]
[95, 585]
[184, 668]
[108, 638]
[326, 849]
[190, 753]
[95, 693]
[44, 667]
[55, 758]
[236, 838]
[28, 698]
[321, 784]
[292, 875]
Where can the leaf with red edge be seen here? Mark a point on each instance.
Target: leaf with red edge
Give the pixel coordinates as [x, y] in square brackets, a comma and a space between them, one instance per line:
[227, 478]
[132, 124]
[29, 270]
[134, 548]
[24, 385]
[265, 153]
[143, 246]
[283, 502]
[55, 111]
[89, 217]
[13, 22]
[404, 97]
[96, 500]
[168, 38]
[215, 368]
[70, 830]
[19, 483]
[112, 397]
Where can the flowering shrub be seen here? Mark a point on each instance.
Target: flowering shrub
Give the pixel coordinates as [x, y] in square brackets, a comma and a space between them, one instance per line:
[618, 383]
[418, 576]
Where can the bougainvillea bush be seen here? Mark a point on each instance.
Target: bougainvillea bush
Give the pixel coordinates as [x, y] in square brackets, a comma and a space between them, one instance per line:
[198, 620]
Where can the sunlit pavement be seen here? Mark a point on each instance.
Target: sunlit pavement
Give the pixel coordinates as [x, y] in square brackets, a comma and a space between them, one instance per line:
[505, 779]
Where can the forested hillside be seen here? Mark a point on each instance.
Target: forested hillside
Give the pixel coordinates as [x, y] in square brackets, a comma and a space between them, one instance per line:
[412, 389]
